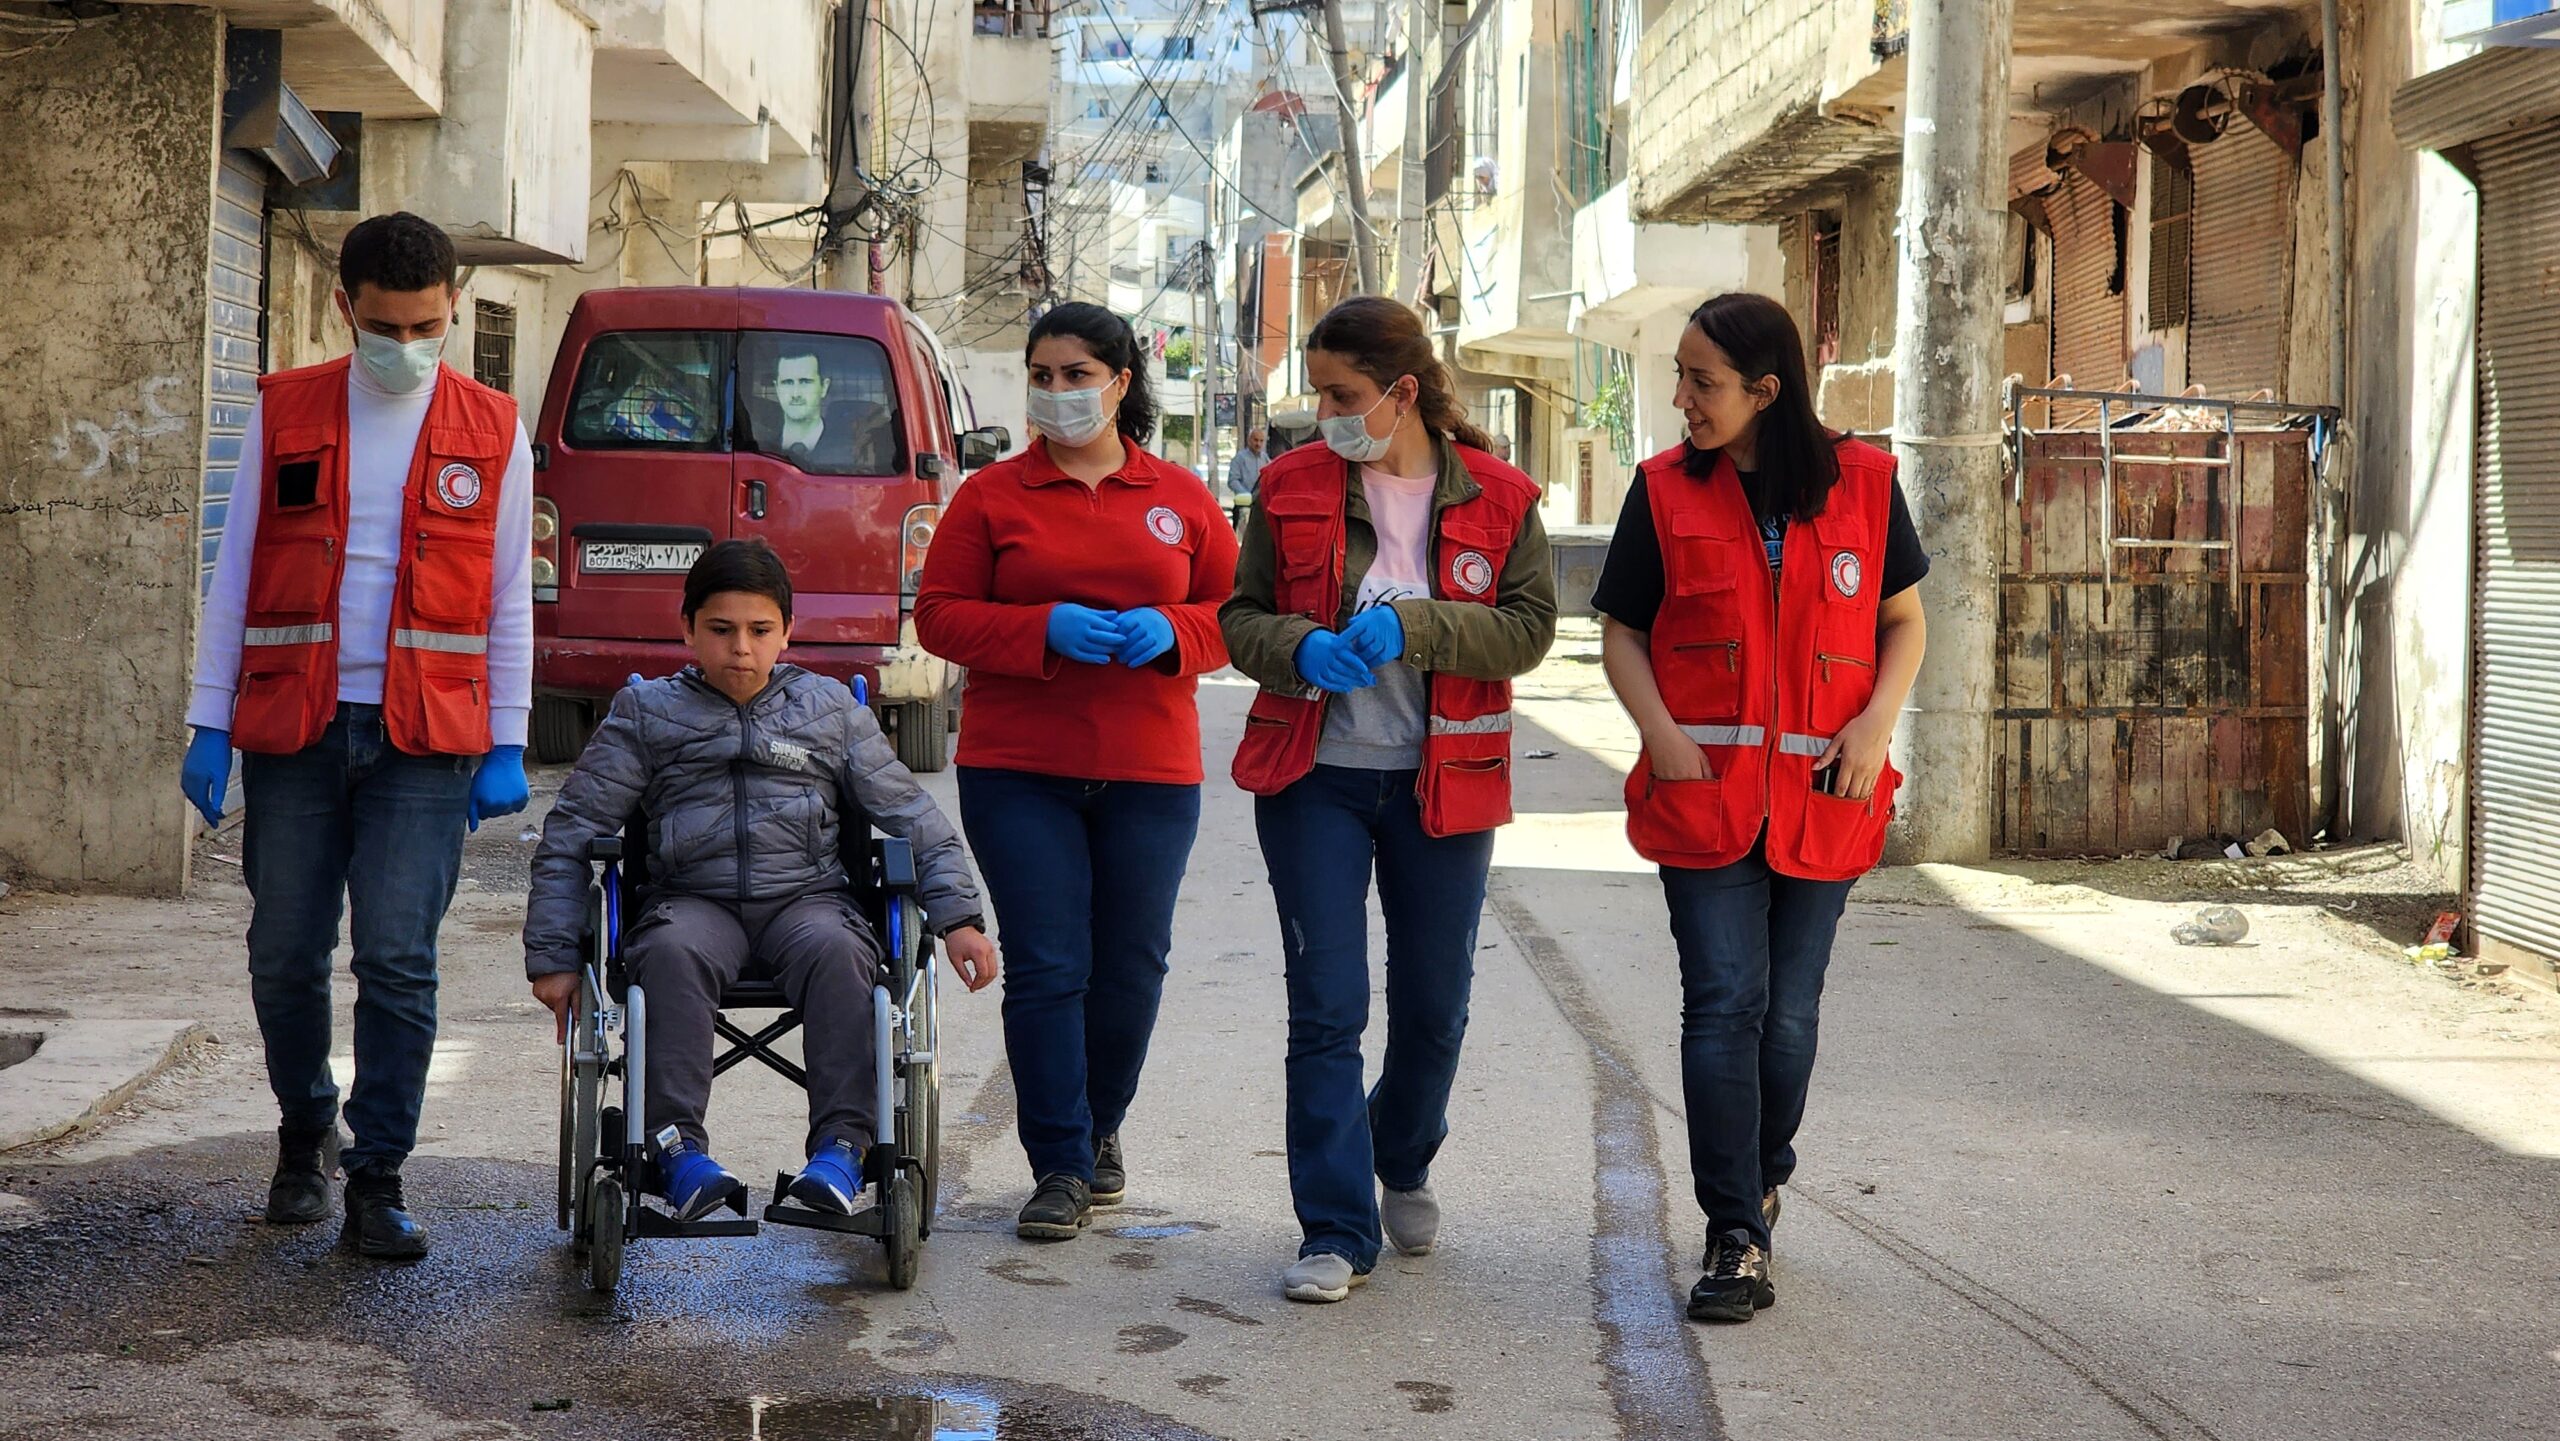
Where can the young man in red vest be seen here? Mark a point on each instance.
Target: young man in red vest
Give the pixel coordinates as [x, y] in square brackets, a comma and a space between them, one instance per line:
[368, 646]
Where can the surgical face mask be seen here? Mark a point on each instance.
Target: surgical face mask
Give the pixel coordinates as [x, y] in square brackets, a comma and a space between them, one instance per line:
[1348, 435]
[1070, 417]
[400, 369]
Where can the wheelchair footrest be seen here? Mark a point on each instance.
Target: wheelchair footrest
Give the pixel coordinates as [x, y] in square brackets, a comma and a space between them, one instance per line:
[784, 1211]
[730, 1221]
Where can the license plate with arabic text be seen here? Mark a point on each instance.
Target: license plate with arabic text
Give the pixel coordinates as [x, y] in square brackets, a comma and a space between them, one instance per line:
[628, 558]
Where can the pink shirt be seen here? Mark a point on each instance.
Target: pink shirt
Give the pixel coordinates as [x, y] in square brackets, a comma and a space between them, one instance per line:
[1381, 727]
[1400, 511]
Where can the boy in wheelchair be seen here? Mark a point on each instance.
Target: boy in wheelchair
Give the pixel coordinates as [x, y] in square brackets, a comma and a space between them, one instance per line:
[747, 776]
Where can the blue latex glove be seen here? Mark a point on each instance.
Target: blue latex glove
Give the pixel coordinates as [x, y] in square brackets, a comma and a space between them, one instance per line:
[1376, 635]
[1325, 659]
[1144, 635]
[206, 772]
[1079, 632]
[498, 788]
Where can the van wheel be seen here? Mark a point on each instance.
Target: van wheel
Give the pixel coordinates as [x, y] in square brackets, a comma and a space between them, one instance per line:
[560, 728]
[924, 735]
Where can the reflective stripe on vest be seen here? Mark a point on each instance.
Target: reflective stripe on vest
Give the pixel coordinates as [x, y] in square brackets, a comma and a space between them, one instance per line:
[441, 640]
[286, 634]
[1790, 744]
[1483, 725]
[1725, 735]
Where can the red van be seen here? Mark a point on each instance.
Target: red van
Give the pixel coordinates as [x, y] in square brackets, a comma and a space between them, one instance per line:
[829, 424]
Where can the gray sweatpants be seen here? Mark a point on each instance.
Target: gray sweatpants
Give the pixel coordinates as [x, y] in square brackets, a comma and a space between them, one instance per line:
[819, 949]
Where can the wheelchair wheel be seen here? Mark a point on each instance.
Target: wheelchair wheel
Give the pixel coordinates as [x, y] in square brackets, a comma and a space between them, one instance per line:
[903, 1236]
[924, 1104]
[608, 1225]
[582, 1079]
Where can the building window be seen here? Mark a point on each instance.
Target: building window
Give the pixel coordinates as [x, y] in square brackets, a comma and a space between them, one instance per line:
[1155, 173]
[493, 345]
[2173, 215]
[1826, 290]
[1097, 109]
[1160, 113]
[1177, 47]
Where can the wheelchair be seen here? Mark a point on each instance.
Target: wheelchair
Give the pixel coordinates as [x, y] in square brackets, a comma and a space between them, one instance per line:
[605, 1168]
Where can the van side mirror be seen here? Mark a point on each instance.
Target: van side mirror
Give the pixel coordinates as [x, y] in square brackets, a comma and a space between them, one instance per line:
[982, 448]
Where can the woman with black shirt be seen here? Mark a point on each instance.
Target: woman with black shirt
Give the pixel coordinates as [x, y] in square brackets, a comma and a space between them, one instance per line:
[1762, 629]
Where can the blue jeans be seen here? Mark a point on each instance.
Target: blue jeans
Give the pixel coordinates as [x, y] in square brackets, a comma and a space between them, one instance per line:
[1082, 875]
[1753, 948]
[350, 819]
[1320, 838]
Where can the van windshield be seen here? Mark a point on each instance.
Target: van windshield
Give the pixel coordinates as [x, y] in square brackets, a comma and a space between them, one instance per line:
[651, 390]
[825, 404]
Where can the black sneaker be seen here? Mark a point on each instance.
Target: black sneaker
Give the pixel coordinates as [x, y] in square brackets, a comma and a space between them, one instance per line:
[306, 1161]
[378, 1223]
[1110, 1172]
[1736, 1283]
[1059, 1207]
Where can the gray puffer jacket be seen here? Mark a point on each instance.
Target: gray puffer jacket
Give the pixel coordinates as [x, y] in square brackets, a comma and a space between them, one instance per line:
[743, 802]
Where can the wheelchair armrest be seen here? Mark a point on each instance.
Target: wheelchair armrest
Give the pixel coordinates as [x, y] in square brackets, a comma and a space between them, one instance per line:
[605, 848]
[897, 857]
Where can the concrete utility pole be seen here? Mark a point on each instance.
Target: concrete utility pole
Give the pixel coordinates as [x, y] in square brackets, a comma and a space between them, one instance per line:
[1355, 188]
[1212, 335]
[1421, 40]
[1946, 409]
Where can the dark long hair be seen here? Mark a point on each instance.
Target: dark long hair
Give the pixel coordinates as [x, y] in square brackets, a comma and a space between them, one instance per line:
[1385, 341]
[1115, 345]
[1794, 450]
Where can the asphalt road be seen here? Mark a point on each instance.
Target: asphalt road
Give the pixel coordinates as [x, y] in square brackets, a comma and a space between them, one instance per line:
[2061, 1179]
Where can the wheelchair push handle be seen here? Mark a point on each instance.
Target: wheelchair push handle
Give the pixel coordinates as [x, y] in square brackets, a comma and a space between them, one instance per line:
[605, 849]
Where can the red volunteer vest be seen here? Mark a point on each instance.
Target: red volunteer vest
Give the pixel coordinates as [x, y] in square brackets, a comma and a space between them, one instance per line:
[1465, 782]
[1763, 677]
[435, 682]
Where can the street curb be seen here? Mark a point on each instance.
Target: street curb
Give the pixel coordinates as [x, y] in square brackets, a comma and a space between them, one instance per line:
[85, 1070]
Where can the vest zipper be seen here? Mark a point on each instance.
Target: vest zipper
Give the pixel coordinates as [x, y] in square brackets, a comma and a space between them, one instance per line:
[1828, 660]
[738, 800]
[1732, 651]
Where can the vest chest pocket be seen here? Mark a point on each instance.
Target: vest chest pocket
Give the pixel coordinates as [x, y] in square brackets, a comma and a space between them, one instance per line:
[451, 570]
[298, 465]
[1472, 557]
[1304, 531]
[1844, 660]
[1697, 638]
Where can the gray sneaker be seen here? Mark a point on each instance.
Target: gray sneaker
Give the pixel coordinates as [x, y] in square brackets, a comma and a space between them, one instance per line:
[1322, 1277]
[1412, 1218]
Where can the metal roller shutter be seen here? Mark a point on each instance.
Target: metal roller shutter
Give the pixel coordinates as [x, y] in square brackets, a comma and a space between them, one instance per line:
[2515, 789]
[2243, 244]
[238, 330]
[2088, 319]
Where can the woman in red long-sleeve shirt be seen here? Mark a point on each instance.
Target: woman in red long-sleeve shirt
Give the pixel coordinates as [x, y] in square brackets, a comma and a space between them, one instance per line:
[1079, 583]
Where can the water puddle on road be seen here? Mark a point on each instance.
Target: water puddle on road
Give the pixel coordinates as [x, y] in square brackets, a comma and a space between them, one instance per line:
[938, 1416]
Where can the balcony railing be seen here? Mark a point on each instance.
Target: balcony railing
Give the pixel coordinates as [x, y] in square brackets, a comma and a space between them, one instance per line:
[1012, 19]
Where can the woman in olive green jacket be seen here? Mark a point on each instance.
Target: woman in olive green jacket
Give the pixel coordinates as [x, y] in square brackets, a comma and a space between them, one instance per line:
[1392, 583]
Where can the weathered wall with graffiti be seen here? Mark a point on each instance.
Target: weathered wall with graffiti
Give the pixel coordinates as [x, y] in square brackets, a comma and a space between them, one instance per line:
[102, 356]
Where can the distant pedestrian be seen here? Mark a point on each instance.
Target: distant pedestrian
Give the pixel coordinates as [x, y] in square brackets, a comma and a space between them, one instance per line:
[368, 644]
[1393, 582]
[1502, 448]
[1079, 583]
[1762, 630]
[1244, 472]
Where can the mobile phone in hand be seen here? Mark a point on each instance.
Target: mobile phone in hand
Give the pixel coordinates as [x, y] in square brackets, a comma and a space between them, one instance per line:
[1827, 779]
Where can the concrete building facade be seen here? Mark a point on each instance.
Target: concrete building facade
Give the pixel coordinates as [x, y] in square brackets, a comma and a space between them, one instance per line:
[185, 172]
[2172, 232]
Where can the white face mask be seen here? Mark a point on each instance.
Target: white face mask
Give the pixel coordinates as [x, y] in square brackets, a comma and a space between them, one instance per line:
[1348, 435]
[400, 369]
[1072, 418]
